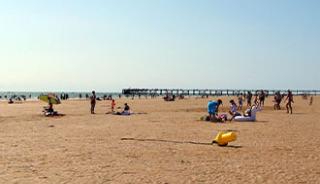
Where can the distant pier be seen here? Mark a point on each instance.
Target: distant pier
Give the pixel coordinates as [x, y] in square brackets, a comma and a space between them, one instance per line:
[208, 92]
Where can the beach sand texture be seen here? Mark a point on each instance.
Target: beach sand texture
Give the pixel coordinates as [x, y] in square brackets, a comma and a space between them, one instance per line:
[84, 148]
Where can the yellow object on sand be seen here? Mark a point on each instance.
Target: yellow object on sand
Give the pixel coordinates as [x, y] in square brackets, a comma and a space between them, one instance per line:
[223, 138]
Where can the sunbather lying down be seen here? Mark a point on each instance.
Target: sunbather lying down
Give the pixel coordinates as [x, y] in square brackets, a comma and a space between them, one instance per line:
[250, 114]
[221, 118]
[126, 113]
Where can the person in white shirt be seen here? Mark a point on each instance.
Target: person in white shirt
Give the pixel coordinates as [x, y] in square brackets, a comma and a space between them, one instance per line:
[233, 110]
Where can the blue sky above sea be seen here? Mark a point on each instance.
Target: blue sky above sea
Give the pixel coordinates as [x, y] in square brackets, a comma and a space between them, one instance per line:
[80, 45]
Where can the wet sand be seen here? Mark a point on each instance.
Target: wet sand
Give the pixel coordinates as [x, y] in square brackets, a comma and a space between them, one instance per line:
[85, 148]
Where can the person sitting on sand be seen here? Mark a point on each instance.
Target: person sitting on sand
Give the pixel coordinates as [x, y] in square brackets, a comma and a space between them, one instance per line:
[213, 108]
[50, 107]
[10, 101]
[49, 111]
[126, 110]
[233, 110]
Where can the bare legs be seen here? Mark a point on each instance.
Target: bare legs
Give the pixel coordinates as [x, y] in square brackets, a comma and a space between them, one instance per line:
[289, 107]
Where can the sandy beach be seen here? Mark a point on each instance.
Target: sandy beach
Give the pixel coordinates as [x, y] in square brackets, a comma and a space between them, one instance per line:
[85, 148]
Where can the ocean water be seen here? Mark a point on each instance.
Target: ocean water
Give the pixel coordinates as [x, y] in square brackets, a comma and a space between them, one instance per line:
[72, 95]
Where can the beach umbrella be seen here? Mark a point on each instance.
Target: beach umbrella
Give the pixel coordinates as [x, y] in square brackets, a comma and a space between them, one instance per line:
[52, 98]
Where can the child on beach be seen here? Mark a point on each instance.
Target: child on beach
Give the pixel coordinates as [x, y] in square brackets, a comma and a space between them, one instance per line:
[113, 104]
[290, 101]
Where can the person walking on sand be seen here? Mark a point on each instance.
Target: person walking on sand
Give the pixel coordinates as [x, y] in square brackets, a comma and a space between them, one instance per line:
[290, 101]
[277, 101]
[311, 100]
[93, 101]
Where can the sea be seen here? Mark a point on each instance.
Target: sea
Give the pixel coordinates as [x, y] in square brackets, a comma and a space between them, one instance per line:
[72, 95]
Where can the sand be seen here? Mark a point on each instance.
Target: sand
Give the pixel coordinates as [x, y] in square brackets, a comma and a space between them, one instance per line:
[85, 148]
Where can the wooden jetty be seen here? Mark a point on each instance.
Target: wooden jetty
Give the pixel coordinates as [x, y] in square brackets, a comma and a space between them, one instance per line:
[208, 92]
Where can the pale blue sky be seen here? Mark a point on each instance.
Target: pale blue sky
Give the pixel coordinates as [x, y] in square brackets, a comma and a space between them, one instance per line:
[107, 45]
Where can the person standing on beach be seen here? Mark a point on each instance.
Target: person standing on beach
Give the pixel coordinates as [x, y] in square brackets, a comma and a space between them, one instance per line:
[249, 99]
[93, 101]
[256, 100]
[290, 101]
[240, 101]
[262, 97]
[113, 105]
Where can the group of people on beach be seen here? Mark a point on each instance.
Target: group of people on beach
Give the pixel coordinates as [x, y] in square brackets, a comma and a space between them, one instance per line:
[93, 100]
[259, 98]
[214, 116]
[250, 113]
[213, 106]
[278, 97]
[49, 111]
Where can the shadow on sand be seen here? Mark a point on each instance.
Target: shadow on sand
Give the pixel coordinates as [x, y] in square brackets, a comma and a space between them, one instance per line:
[261, 121]
[175, 142]
[299, 113]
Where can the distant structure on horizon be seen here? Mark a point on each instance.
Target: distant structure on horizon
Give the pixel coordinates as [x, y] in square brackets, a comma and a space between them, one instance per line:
[209, 92]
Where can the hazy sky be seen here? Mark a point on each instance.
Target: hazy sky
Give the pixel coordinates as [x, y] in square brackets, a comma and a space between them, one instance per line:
[107, 45]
